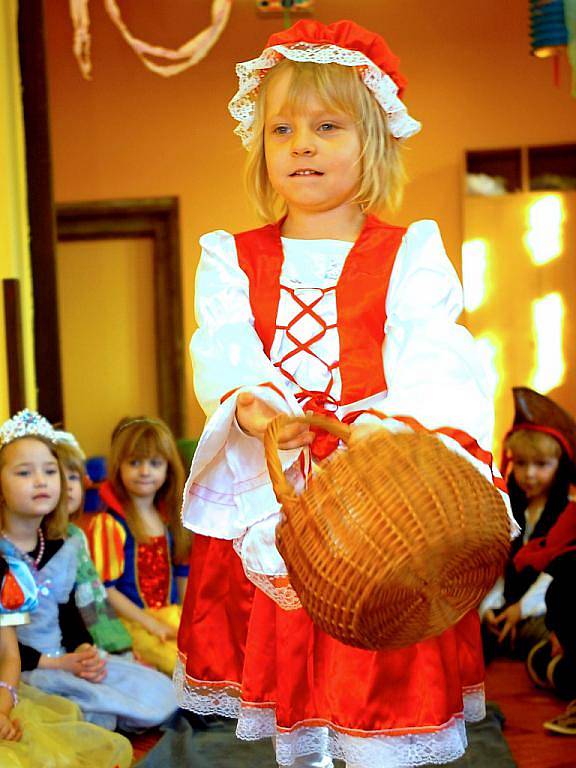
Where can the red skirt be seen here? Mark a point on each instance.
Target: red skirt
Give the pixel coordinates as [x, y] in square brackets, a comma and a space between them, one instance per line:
[215, 613]
[244, 656]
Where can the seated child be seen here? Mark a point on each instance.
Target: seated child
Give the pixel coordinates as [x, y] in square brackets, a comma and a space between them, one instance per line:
[56, 649]
[537, 447]
[552, 662]
[138, 544]
[37, 729]
[100, 618]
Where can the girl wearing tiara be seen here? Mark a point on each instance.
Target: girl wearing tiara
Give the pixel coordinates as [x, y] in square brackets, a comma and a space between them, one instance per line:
[327, 309]
[138, 544]
[57, 651]
[36, 728]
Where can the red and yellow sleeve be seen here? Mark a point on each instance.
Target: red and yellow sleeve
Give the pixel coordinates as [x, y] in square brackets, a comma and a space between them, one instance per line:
[106, 538]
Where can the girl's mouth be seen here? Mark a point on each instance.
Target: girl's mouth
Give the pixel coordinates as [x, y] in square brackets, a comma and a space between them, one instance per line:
[306, 172]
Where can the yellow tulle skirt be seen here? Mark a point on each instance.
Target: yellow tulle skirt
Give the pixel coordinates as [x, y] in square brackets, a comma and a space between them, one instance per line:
[55, 736]
[149, 648]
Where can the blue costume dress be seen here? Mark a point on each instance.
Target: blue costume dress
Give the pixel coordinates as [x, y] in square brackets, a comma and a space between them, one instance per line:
[130, 697]
[54, 734]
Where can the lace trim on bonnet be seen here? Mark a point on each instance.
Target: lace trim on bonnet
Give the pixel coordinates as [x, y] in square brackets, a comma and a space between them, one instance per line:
[250, 73]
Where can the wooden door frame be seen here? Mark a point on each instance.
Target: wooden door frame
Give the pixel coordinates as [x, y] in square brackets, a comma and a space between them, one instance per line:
[41, 218]
[157, 219]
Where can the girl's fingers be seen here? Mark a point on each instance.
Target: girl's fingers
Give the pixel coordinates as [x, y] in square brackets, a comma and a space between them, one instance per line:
[245, 399]
[299, 442]
[505, 631]
[295, 432]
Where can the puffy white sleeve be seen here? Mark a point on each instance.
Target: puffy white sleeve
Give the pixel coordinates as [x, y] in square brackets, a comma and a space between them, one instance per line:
[433, 371]
[432, 368]
[228, 488]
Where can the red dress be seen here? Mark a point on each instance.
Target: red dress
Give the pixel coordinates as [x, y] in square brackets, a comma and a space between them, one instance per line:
[243, 656]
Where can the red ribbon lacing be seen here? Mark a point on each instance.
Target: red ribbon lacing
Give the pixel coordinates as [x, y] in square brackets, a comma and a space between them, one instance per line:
[324, 404]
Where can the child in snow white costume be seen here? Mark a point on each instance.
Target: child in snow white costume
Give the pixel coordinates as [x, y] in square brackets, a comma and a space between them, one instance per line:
[333, 311]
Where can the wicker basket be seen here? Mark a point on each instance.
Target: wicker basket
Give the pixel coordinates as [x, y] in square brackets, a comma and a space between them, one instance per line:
[393, 541]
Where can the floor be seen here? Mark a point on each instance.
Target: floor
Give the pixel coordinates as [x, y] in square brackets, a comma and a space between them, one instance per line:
[525, 709]
[525, 744]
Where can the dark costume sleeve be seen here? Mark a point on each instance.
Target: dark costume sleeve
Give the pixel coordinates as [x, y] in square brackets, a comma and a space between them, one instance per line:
[29, 657]
[72, 626]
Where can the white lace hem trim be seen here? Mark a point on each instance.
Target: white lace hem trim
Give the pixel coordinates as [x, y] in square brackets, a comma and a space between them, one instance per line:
[474, 704]
[389, 750]
[385, 90]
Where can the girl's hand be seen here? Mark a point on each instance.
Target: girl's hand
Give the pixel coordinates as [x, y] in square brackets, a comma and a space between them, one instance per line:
[9, 729]
[160, 630]
[85, 662]
[507, 621]
[93, 665]
[490, 620]
[253, 416]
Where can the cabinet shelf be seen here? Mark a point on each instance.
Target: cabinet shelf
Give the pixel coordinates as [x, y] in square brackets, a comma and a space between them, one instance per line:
[521, 169]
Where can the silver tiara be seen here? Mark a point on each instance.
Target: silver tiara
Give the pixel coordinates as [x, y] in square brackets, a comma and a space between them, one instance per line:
[26, 424]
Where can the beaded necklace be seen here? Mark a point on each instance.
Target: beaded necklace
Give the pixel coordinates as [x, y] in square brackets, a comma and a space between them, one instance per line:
[33, 562]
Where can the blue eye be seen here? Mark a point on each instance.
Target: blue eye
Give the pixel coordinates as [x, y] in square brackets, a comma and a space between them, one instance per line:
[52, 471]
[327, 127]
[281, 130]
[73, 478]
[157, 462]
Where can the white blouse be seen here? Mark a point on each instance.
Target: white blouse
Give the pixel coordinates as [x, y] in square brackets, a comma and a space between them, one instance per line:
[431, 365]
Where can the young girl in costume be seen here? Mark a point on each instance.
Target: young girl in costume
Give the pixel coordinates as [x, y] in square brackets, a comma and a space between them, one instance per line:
[138, 545]
[539, 451]
[37, 729]
[328, 310]
[551, 663]
[101, 620]
[56, 650]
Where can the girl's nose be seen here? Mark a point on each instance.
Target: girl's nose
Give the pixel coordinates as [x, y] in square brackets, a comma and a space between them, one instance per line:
[302, 151]
[40, 479]
[303, 144]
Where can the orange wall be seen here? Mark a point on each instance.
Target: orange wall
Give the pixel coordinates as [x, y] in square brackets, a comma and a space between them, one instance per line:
[130, 133]
[106, 311]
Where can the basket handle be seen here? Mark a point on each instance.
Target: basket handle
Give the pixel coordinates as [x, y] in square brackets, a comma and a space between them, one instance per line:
[284, 491]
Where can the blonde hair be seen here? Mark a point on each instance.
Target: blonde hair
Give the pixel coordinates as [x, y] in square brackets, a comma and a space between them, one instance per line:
[531, 444]
[382, 173]
[73, 459]
[142, 438]
[53, 524]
